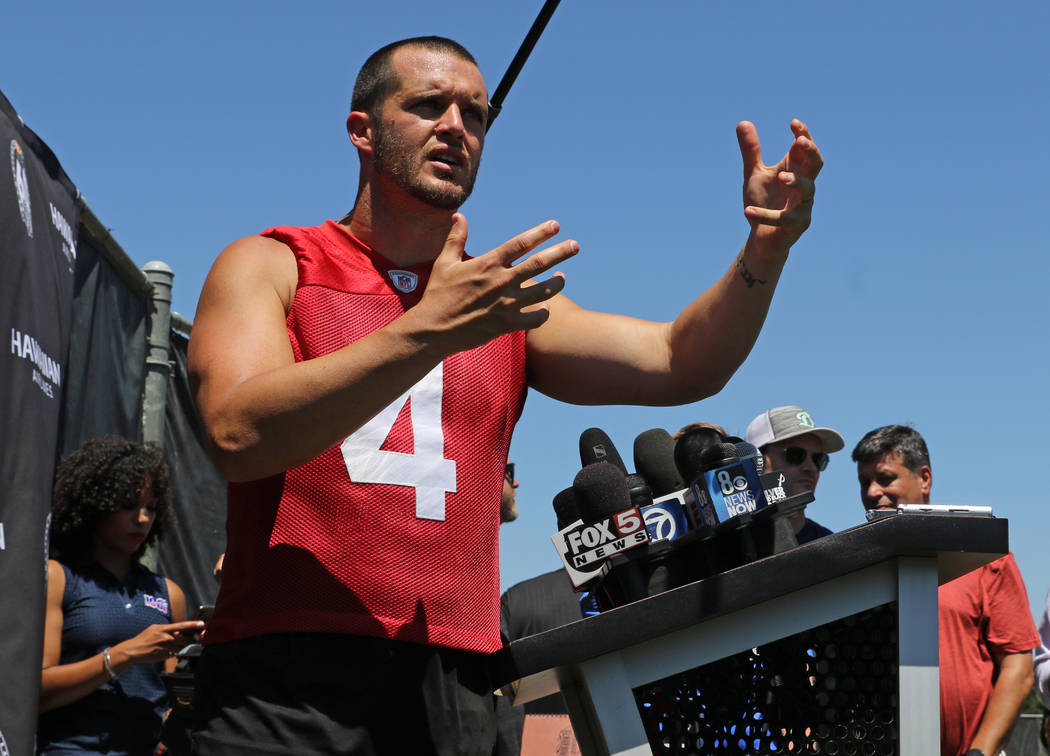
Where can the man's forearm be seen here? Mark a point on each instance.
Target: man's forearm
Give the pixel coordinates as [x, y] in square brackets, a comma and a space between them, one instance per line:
[1011, 688]
[716, 332]
[276, 420]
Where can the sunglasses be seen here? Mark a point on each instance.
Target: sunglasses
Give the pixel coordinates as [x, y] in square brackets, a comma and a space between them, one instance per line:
[796, 455]
[508, 473]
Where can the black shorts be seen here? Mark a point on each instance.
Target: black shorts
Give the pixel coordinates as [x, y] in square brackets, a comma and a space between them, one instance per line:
[299, 693]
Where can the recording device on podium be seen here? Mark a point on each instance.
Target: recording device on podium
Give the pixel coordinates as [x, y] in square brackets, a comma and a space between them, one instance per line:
[694, 508]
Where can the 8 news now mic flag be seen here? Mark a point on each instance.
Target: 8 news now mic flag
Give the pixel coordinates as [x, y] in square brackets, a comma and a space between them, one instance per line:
[38, 225]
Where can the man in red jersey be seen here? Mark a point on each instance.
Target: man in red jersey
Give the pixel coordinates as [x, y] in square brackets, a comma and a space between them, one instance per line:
[986, 632]
[359, 382]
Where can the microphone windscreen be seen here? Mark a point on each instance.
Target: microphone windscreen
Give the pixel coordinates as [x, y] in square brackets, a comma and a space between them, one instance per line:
[749, 449]
[565, 507]
[601, 491]
[689, 450]
[744, 449]
[654, 460]
[639, 490]
[719, 455]
[596, 446]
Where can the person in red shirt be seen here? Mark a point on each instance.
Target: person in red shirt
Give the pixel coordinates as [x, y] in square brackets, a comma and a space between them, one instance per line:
[986, 632]
[359, 382]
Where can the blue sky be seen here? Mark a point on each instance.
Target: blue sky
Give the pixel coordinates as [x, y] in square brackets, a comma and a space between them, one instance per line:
[916, 296]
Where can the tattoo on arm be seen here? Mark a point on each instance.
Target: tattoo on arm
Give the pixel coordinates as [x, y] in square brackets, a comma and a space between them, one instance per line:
[746, 274]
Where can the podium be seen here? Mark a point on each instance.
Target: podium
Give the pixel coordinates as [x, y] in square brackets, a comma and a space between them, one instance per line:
[829, 647]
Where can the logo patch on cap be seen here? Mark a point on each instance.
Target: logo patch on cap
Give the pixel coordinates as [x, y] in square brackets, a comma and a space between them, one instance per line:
[805, 421]
[404, 280]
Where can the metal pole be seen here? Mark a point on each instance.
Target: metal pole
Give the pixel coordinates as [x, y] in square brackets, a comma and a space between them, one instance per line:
[158, 356]
[496, 102]
[158, 365]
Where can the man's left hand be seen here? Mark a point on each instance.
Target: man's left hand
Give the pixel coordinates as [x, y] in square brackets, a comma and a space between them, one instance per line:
[778, 199]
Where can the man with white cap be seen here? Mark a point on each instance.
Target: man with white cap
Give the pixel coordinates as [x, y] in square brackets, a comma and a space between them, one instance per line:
[792, 443]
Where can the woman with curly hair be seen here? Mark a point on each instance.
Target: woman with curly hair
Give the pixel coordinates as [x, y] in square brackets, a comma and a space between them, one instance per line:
[111, 623]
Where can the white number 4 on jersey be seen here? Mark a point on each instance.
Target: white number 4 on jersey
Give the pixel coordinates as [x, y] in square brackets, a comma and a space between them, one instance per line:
[426, 470]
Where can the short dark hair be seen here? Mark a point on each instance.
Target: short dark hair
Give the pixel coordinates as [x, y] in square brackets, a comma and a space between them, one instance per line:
[902, 439]
[698, 426]
[377, 77]
[103, 476]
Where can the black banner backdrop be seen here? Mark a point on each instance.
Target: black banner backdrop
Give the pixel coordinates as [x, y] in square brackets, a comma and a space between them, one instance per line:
[38, 222]
[107, 353]
[188, 553]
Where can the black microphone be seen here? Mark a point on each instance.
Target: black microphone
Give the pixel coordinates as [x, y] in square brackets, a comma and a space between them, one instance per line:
[665, 515]
[654, 461]
[565, 507]
[727, 493]
[609, 523]
[596, 446]
[735, 478]
[750, 451]
[690, 448]
[638, 489]
[601, 491]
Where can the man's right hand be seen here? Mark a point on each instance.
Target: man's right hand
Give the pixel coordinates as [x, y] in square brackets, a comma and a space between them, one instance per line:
[264, 412]
[469, 302]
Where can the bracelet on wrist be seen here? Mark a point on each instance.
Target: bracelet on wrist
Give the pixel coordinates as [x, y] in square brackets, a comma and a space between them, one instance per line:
[107, 664]
[975, 752]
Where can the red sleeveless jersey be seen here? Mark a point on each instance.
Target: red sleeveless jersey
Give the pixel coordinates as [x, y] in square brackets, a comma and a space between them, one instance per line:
[393, 533]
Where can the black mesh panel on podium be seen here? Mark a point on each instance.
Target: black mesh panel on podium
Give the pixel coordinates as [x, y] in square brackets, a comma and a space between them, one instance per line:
[829, 690]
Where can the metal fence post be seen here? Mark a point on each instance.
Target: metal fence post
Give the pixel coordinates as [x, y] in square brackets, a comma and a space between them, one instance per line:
[158, 364]
[158, 355]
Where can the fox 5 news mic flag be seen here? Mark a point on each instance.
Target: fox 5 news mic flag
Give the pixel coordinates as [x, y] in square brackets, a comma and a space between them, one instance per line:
[583, 547]
[38, 223]
[608, 522]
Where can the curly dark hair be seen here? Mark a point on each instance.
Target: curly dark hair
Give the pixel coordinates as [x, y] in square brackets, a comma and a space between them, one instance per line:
[106, 475]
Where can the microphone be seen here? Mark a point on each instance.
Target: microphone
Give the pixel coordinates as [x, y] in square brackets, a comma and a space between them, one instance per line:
[568, 513]
[688, 453]
[750, 451]
[725, 485]
[596, 446]
[727, 493]
[608, 522]
[639, 491]
[565, 508]
[654, 460]
[641, 572]
[665, 516]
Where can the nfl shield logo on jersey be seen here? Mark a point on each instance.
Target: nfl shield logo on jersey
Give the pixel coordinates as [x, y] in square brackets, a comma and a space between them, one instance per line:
[404, 280]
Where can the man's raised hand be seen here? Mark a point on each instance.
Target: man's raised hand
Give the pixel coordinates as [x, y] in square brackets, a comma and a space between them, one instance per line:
[472, 301]
[778, 199]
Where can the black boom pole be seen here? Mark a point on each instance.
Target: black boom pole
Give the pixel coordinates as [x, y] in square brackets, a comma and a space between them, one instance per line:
[496, 102]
